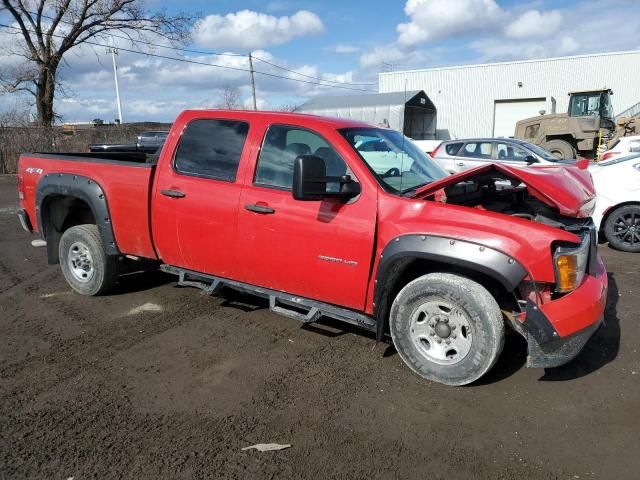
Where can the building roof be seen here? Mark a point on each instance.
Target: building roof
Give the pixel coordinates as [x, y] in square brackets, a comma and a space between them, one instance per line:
[513, 62]
[412, 97]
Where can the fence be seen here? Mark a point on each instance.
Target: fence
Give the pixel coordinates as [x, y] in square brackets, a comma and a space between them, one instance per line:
[17, 140]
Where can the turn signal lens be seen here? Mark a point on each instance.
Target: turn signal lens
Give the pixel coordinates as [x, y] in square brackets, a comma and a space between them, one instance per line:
[571, 265]
[567, 270]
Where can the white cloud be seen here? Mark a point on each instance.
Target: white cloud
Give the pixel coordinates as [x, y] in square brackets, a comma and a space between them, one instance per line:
[345, 48]
[391, 54]
[261, 103]
[437, 19]
[246, 29]
[568, 45]
[497, 49]
[534, 23]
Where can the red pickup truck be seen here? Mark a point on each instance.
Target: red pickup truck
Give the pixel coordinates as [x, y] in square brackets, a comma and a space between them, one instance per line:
[337, 218]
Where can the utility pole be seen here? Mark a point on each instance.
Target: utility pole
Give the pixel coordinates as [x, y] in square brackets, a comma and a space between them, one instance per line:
[114, 52]
[253, 83]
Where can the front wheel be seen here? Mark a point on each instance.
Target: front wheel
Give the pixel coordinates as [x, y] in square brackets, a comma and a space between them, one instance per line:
[561, 149]
[84, 262]
[447, 328]
[622, 228]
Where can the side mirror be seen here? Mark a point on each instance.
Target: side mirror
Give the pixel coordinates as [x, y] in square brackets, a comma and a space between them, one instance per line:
[310, 181]
[531, 160]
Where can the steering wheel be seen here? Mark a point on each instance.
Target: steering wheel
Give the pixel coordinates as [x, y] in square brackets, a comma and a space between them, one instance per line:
[392, 172]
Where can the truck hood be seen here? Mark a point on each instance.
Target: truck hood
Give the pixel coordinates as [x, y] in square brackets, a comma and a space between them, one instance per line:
[568, 188]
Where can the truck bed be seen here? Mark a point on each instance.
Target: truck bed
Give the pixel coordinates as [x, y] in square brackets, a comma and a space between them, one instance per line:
[108, 156]
[125, 178]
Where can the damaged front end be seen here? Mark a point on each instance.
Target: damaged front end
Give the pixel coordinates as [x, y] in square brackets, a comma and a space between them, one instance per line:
[557, 315]
[558, 319]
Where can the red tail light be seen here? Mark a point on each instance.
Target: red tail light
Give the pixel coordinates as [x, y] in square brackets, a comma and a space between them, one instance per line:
[20, 188]
[607, 156]
[435, 150]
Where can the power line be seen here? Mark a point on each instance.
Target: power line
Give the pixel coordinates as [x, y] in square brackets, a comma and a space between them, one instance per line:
[195, 62]
[310, 76]
[152, 44]
[227, 54]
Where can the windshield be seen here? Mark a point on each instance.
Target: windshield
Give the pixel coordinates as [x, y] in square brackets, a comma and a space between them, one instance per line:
[541, 152]
[400, 166]
[587, 104]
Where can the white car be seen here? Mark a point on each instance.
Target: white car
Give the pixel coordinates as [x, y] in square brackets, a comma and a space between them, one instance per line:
[463, 154]
[427, 146]
[623, 146]
[617, 213]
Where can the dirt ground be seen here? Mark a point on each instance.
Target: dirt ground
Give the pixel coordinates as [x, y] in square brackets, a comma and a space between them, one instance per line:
[157, 381]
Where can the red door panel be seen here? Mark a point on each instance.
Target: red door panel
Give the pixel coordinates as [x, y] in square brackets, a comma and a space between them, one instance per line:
[197, 231]
[320, 250]
[195, 219]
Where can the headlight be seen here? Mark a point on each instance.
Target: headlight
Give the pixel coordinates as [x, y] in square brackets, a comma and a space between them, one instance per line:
[570, 265]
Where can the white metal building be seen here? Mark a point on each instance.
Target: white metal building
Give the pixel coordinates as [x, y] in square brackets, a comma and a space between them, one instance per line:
[410, 112]
[487, 100]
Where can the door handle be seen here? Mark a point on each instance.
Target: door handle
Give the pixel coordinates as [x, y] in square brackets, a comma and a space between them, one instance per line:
[172, 193]
[460, 164]
[264, 209]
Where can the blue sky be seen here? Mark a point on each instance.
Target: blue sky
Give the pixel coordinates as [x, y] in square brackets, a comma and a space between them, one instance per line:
[344, 42]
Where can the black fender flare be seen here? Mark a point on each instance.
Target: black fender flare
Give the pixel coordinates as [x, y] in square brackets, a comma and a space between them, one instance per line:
[82, 188]
[486, 260]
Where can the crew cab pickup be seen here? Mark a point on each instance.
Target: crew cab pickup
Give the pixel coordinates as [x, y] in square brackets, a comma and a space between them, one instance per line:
[297, 209]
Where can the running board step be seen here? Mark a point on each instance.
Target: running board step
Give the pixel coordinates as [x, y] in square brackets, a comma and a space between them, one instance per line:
[312, 315]
[298, 308]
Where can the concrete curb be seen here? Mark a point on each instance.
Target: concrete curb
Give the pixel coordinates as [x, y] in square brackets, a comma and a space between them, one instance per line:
[9, 179]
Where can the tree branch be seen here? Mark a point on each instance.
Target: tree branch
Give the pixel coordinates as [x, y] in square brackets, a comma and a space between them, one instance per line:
[25, 31]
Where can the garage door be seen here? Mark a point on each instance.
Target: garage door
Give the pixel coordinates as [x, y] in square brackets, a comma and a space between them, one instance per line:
[507, 114]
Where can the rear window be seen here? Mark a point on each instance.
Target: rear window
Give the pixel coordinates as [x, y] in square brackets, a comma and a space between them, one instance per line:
[453, 148]
[211, 148]
[477, 150]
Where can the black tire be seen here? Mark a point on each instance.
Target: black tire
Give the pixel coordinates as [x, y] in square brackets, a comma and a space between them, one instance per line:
[561, 149]
[622, 228]
[84, 262]
[475, 315]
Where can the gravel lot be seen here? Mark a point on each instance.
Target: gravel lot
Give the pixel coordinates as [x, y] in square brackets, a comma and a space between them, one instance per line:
[157, 381]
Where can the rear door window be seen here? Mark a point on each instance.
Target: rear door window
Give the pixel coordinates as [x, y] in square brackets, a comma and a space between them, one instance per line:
[211, 148]
[453, 148]
[477, 150]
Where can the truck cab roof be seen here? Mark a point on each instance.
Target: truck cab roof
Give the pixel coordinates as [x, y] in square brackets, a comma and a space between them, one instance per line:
[280, 117]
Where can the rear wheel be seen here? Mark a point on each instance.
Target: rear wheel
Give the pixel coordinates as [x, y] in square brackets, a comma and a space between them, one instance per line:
[447, 328]
[560, 148]
[84, 262]
[622, 228]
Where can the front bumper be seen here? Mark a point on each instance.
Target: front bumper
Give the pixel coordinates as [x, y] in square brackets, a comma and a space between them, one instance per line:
[24, 220]
[558, 330]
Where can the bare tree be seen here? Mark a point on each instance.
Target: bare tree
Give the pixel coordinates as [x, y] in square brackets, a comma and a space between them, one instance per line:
[230, 98]
[287, 107]
[48, 29]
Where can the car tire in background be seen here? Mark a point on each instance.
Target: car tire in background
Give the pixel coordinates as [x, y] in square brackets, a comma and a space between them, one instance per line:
[447, 328]
[84, 262]
[622, 228]
[560, 148]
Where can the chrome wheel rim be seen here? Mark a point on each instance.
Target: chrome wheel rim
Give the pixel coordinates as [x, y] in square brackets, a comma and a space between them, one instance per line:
[80, 262]
[441, 332]
[626, 229]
